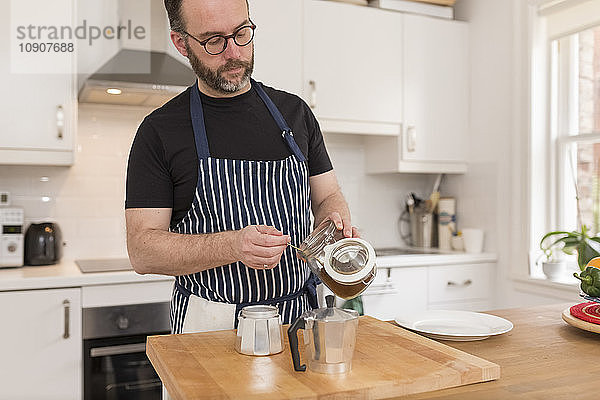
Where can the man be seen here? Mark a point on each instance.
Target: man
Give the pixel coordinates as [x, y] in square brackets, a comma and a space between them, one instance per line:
[216, 191]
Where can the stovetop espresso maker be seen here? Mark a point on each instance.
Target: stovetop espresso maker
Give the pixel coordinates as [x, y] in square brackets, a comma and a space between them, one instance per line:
[329, 339]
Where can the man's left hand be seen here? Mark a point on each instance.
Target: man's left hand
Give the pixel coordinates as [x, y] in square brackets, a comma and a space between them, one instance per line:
[344, 224]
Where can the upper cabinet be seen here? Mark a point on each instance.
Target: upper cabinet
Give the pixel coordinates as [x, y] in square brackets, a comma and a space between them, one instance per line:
[353, 67]
[435, 65]
[401, 80]
[278, 43]
[38, 110]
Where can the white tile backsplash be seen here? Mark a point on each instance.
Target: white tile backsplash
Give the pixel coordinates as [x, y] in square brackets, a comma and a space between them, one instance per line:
[376, 201]
[87, 199]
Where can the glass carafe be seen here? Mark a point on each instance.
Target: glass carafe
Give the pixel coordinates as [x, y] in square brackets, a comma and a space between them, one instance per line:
[345, 265]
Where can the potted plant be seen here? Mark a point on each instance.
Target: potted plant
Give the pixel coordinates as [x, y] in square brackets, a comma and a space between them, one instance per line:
[586, 245]
[552, 266]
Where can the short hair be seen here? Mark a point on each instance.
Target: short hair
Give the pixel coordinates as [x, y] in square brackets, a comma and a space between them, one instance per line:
[176, 17]
[174, 12]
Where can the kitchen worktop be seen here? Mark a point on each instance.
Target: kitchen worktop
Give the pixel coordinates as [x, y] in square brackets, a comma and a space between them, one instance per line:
[66, 274]
[434, 258]
[542, 357]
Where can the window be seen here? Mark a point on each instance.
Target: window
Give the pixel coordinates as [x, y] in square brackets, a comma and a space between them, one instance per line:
[576, 123]
[565, 141]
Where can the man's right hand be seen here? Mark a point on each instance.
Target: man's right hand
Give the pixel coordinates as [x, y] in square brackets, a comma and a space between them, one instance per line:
[260, 246]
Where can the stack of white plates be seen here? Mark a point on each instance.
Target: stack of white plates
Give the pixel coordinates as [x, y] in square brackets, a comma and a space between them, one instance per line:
[454, 325]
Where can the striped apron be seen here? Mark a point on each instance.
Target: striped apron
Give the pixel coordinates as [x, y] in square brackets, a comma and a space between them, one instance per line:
[230, 195]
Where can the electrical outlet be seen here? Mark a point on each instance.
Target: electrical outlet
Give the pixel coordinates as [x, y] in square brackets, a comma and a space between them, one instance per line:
[4, 199]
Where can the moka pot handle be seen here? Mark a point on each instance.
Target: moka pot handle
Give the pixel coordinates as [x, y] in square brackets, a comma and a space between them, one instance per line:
[293, 337]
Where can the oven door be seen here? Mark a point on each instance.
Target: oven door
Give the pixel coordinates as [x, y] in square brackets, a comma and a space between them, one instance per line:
[115, 365]
[117, 368]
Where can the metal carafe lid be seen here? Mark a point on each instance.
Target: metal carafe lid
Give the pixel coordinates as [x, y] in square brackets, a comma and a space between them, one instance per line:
[349, 260]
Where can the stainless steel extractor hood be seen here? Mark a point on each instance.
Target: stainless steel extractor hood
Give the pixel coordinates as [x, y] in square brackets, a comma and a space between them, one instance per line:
[147, 74]
[166, 78]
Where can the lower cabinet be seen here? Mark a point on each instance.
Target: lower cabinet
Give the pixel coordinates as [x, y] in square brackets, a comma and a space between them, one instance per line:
[450, 287]
[460, 287]
[41, 344]
[396, 290]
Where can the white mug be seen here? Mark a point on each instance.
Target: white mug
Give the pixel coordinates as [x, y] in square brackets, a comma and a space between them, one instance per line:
[472, 240]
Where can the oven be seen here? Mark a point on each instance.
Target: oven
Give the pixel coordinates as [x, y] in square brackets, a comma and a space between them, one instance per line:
[115, 365]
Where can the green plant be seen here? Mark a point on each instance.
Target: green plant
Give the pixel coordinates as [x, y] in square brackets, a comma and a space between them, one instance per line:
[587, 246]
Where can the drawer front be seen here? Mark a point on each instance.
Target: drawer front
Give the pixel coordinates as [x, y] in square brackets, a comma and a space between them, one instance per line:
[472, 305]
[128, 293]
[457, 283]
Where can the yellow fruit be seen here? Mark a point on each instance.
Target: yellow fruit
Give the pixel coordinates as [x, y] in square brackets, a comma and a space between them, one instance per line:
[594, 262]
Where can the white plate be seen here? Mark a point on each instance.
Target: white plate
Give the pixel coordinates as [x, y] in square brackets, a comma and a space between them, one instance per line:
[454, 325]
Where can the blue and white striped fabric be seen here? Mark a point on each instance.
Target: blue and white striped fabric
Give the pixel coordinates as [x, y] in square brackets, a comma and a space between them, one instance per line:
[232, 194]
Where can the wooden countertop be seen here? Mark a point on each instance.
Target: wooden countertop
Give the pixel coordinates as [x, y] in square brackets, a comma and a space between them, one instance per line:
[541, 358]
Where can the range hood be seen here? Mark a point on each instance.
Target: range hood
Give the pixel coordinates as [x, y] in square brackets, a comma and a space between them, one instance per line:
[116, 83]
[146, 73]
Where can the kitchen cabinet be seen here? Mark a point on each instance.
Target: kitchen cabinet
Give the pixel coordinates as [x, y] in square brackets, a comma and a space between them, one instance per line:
[396, 290]
[38, 110]
[353, 67]
[442, 287]
[460, 287]
[435, 86]
[41, 344]
[278, 43]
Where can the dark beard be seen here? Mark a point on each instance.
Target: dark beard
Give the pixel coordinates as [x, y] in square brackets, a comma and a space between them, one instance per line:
[215, 79]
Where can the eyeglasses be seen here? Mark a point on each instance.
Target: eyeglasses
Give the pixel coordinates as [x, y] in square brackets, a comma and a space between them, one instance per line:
[217, 44]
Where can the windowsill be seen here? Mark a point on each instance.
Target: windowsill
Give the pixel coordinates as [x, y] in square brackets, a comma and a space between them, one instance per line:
[566, 288]
[566, 278]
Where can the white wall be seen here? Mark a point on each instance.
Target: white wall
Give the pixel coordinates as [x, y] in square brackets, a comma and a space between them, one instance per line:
[87, 200]
[495, 192]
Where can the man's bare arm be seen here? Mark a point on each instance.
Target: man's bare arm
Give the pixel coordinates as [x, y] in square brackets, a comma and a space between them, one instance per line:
[328, 202]
[153, 249]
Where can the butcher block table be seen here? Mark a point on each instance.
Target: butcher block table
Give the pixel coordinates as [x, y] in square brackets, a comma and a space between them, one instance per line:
[542, 357]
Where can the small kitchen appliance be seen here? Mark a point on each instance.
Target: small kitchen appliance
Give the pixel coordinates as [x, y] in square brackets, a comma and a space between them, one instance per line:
[259, 331]
[11, 239]
[329, 339]
[345, 265]
[43, 244]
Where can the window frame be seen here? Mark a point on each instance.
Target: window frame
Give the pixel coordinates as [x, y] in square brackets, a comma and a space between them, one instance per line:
[554, 124]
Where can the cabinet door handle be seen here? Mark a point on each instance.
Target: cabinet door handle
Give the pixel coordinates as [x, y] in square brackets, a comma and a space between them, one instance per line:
[67, 306]
[313, 94]
[411, 138]
[465, 283]
[60, 122]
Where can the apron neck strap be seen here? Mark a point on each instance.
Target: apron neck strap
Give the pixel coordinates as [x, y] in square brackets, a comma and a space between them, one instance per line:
[281, 123]
[198, 123]
[287, 134]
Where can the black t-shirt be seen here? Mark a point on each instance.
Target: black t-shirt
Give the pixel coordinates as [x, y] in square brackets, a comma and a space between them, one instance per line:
[163, 164]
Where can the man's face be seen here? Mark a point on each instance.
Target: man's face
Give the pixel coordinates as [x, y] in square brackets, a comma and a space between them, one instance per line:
[230, 71]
